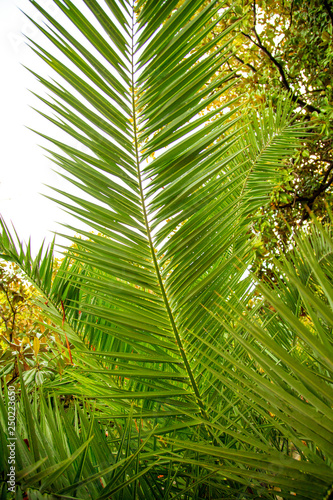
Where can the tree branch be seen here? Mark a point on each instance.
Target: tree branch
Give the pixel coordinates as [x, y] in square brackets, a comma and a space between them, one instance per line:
[13, 312]
[327, 7]
[278, 65]
[327, 173]
[291, 14]
[312, 198]
[246, 64]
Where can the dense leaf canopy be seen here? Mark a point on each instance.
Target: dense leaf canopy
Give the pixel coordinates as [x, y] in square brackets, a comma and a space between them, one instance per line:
[286, 47]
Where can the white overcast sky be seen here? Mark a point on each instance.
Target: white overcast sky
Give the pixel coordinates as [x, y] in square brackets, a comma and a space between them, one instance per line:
[24, 169]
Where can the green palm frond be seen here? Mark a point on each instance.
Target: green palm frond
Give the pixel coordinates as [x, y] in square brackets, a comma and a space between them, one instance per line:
[276, 367]
[168, 232]
[50, 280]
[66, 452]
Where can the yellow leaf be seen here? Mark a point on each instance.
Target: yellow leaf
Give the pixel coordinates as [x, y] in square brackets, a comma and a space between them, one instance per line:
[36, 345]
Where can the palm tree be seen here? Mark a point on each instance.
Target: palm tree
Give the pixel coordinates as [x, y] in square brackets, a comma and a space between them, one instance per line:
[185, 379]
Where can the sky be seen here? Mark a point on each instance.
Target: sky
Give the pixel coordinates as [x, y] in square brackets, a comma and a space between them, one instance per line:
[24, 168]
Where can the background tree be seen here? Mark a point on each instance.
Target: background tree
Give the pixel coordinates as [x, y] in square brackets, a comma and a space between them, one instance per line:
[21, 322]
[286, 47]
[28, 337]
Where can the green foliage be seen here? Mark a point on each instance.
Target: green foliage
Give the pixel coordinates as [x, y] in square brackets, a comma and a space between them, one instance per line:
[182, 377]
[24, 335]
[64, 449]
[31, 340]
[286, 47]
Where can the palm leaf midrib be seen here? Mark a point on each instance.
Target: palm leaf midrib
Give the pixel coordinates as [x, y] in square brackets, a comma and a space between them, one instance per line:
[175, 330]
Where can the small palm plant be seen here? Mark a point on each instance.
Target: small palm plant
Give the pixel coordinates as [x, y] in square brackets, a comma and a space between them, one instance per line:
[184, 378]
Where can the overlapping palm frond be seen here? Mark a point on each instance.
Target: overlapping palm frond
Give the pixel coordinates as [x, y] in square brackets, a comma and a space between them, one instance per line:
[167, 233]
[49, 279]
[62, 449]
[275, 367]
[167, 191]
